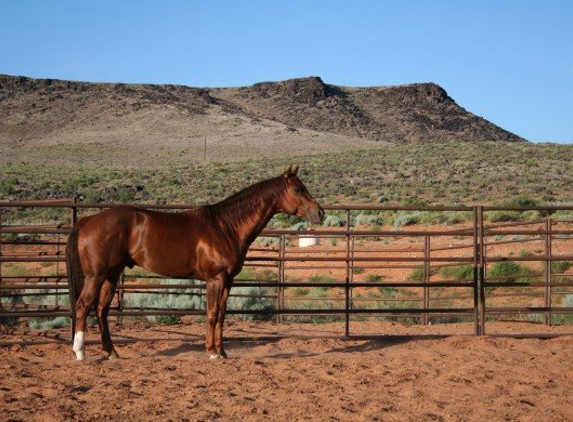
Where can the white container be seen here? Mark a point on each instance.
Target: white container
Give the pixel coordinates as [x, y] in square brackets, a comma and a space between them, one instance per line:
[304, 242]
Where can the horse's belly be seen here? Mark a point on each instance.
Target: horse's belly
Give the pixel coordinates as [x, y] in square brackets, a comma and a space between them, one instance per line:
[166, 264]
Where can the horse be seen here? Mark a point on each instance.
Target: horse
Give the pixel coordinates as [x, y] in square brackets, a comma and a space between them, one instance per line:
[208, 243]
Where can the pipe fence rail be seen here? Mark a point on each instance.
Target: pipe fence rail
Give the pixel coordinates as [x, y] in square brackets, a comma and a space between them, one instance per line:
[478, 270]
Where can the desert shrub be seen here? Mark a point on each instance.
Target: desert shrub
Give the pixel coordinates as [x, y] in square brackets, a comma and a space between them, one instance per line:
[284, 221]
[560, 267]
[514, 215]
[564, 319]
[322, 278]
[458, 272]
[9, 305]
[445, 217]
[459, 217]
[502, 216]
[390, 292]
[49, 323]
[48, 297]
[405, 218]
[416, 275]
[394, 304]
[563, 215]
[415, 202]
[300, 226]
[367, 219]
[357, 270]
[251, 299]
[333, 220]
[531, 215]
[300, 291]
[267, 275]
[171, 298]
[374, 278]
[510, 272]
[519, 201]
[247, 273]
[266, 242]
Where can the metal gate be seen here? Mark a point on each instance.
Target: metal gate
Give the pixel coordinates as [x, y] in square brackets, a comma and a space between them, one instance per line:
[481, 269]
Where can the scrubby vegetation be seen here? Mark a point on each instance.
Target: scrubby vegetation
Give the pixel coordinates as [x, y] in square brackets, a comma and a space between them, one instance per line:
[412, 174]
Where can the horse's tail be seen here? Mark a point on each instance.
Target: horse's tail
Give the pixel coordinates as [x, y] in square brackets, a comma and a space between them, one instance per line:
[75, 273]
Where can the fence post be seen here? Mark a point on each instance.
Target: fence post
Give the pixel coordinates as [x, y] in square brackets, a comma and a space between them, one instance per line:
[281, 281]
[426, 293]
[481, 268]
[347, 283]
[57, 301]
[548, 254]
[477, 325]
[1, 278]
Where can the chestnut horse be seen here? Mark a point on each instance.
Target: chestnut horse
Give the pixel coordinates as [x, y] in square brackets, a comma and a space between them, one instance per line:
[206, 243]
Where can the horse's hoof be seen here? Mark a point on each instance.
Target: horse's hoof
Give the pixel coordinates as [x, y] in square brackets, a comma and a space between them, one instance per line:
[80, 355]
[213, 357]
[113, 356]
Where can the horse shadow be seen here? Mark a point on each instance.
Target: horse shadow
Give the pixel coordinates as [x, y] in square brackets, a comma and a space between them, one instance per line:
[237, 347]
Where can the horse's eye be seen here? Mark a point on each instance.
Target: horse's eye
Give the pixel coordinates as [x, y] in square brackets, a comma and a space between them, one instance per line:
[297, 189]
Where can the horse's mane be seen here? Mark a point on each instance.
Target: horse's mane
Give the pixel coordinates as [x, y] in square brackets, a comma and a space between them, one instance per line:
[244, 203]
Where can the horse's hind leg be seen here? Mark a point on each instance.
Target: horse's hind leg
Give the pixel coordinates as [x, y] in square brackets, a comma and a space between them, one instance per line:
[84, 303]
[105, 298]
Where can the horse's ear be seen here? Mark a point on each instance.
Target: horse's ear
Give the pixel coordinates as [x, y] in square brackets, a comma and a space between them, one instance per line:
[295, 171]
[288, 172]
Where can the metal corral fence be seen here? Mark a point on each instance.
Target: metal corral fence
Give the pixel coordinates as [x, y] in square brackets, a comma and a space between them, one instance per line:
[476, 267]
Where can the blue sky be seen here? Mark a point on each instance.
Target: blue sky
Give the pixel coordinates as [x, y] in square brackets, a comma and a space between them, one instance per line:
[510, 61]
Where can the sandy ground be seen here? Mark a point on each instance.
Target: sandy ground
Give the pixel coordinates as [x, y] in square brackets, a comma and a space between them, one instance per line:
[292, 372]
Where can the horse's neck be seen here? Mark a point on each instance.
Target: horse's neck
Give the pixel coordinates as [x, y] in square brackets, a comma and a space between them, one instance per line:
[246, 226]
[254, 226]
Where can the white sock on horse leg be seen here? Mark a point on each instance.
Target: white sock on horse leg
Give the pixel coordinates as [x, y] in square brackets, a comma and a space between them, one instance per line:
[79, 345]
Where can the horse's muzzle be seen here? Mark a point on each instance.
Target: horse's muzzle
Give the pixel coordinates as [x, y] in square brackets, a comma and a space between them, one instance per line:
[315, 216]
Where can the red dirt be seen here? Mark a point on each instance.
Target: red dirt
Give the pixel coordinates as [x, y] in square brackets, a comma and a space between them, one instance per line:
[293, 372]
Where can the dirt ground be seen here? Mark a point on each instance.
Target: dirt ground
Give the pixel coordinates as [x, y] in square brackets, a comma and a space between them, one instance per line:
[292, 372]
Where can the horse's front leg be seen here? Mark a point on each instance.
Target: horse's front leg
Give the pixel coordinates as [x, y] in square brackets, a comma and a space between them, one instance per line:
[221, 319]
[215, 287]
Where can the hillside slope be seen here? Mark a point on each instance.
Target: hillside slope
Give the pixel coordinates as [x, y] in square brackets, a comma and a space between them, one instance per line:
[127, 124]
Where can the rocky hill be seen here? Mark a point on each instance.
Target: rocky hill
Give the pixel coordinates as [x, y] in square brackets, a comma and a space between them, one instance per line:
[62, 120]
[408, 113]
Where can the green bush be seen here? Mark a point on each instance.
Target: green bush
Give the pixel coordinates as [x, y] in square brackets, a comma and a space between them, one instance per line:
[458, 272]
[502, 216]
[416, 275]
[559, 267]
[300, 291]
[357, 270]
[405, 218]
[510, 272]
[374, 278]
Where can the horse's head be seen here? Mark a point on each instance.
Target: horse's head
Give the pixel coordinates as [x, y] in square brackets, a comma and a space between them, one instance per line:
[297, 200]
